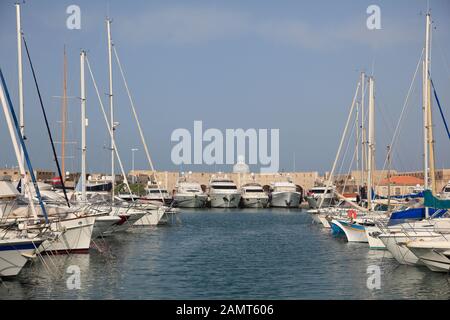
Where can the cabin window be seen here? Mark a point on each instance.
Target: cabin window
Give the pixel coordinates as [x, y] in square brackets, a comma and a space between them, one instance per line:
[224, 187]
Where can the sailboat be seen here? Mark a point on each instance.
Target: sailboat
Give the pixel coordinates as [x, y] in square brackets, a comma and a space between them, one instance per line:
[403, 240]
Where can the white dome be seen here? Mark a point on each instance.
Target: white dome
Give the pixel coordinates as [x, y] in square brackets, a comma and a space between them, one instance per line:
[241, 166]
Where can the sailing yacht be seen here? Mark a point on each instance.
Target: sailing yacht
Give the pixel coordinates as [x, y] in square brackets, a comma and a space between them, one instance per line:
[223, 193]
[189, 194]
[396, 238]
[253, 196]
[284, 194]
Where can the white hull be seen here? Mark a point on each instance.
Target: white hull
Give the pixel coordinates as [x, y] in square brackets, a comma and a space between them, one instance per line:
[255, 202]
[313, 202]
[15, 253]
[225, 200]
[152, 218]
[372, 233]
[353, 232]
[436, 259]
[128, 218]
[75, 236]
[285, 199]
[190, 200]
[104, 224]
[396, 244]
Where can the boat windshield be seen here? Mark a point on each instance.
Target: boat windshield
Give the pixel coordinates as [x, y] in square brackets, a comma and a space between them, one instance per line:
[223, 187]
[254, 190]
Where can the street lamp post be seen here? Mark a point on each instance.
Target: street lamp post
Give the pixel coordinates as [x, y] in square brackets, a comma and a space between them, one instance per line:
[133, 150]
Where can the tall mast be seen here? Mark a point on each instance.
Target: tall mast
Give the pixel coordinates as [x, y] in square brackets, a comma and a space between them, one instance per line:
[111, 106]
[425, 106]
[371, 151]
[83, 126]
[363, 131]
[357, 143]
[432, 175]
[431, 140]
[20, 161]
[20, 77]
[64, 119]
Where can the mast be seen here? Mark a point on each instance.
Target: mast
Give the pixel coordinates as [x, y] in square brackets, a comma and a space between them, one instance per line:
[389, 178]
[20, 78]
[425, 106]
[358, 184]
[363, 131]
[432, 175]
[83, 126]
[64, 120]
[111, 106]
[20, 161]
[371, 151]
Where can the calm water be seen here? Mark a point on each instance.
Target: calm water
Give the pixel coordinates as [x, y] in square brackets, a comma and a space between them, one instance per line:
[227, 254]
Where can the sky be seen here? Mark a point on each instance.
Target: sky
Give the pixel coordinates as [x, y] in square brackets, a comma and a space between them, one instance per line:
[287, 65]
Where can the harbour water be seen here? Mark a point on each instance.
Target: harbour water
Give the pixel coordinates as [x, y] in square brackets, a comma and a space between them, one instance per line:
[227, 254]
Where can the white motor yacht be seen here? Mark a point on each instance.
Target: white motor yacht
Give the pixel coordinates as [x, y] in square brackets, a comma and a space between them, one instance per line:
[223, 193]
[253, 196]
[284, 194]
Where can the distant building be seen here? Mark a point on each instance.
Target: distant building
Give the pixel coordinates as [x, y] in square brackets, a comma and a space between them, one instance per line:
[400, 185]
[40, 174]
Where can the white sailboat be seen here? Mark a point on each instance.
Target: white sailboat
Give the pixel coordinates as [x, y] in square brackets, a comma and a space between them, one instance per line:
[396, 238]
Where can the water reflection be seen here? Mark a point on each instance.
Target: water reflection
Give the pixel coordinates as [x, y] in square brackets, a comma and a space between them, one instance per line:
[214, 254]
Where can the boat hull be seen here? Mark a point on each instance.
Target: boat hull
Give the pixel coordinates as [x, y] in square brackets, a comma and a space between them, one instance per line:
[372, 233]
[396, 244]
[285, 199]
[353, 232]
[225, 200]
[75, 236]
[255, 202]
[190, 200]
[434, 258]
[14, 254]
[104, 224]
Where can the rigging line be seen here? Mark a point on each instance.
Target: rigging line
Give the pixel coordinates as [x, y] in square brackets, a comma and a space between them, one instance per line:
[109, 129]
[440, 108]
[144, 143]
[55, 156]
[340, 143]
[346, 149]
[349, 171]
[25, 152]
[405, 106]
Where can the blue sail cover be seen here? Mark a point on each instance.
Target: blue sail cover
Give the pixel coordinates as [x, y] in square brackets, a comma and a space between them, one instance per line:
[404, 196]
[414, 214]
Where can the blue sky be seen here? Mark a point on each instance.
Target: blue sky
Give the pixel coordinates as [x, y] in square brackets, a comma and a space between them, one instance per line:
[291, 65]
